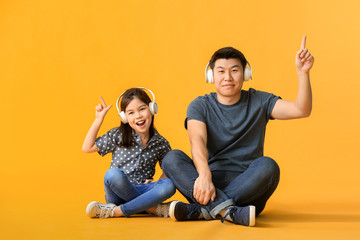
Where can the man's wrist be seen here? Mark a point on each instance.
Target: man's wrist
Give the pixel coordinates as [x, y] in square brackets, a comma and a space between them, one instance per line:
[302, 74]
[205, 175]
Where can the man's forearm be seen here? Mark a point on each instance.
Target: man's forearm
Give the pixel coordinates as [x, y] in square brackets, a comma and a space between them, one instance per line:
[304, 97]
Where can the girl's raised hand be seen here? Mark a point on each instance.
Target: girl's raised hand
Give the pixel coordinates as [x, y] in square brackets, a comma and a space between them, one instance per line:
[101, 109]
[304, 60]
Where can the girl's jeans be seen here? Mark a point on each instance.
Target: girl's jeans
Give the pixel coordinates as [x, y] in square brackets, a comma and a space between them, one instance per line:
[135, 198]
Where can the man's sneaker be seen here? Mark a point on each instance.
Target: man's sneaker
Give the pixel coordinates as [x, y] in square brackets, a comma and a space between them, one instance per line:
[241, 215]
[162, 210]
[180, 211]
[99, 210]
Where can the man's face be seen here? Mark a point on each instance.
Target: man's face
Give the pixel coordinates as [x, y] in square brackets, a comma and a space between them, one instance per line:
[228, 77]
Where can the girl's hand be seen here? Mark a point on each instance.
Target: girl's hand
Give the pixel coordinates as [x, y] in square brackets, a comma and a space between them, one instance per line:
[148, 181]
[304, 60]
[101, 109]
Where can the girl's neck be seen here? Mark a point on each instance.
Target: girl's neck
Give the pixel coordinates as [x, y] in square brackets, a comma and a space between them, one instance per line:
[144, 139]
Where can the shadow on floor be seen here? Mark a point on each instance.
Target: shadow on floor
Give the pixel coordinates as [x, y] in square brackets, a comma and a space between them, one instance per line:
[275, 216]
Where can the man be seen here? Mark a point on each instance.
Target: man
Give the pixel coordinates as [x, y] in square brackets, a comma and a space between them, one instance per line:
[228, 175]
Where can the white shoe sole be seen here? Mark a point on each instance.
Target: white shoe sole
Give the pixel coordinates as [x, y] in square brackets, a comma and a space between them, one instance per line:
[252, 216]
[172, 210]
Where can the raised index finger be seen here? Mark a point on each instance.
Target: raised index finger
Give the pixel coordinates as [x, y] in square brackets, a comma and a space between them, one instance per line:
[303, 42]
[103, 102]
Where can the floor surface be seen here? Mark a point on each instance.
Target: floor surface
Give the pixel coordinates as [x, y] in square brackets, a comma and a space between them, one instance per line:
[67, 220]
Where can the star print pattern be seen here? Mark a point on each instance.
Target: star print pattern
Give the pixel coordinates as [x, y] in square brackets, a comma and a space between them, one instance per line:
[136, 162]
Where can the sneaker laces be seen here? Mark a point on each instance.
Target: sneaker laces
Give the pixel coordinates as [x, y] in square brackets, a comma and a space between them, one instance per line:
[224, 218]
[105, 211]
[192, 211]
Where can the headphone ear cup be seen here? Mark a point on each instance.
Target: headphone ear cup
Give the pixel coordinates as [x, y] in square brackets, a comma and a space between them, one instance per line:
[210, 76]
[247, 74]
[153, 108]
[123, 117]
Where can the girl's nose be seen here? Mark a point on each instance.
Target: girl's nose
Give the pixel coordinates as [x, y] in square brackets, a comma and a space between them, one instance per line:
[138, 115]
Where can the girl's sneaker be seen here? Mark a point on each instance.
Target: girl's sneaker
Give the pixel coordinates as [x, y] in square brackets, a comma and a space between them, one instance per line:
[100, 210]
[162, 210]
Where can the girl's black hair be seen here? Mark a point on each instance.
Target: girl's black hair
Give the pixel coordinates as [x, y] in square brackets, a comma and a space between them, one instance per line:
[125, 129]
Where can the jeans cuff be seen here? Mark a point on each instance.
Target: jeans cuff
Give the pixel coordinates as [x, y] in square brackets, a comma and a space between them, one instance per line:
[215, 211]
[206, 214]
[123, 211]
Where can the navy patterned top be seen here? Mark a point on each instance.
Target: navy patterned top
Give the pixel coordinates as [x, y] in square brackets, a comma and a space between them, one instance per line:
[137, 162]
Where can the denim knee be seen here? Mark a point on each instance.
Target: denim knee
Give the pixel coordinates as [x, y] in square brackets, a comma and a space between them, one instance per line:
[167, 188]
[269, 167]
[115, 176]
[171, 158]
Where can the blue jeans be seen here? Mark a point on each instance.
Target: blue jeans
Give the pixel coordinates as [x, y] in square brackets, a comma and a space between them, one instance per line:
[135, 198]
[254, 186]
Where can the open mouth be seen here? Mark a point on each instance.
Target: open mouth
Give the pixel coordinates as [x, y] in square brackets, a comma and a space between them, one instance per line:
[141, 123]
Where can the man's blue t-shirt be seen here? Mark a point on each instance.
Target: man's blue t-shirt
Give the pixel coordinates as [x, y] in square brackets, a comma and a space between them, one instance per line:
[235, 132]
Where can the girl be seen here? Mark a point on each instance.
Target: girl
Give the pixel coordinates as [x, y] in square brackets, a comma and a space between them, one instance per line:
[136, 147]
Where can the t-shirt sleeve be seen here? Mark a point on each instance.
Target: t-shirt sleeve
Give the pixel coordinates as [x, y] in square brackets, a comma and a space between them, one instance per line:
[107, 142]
[165, 148]
[268, 101]
[196, 110]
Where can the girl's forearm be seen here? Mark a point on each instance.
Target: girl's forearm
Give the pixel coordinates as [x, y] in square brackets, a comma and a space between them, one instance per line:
[89, 145]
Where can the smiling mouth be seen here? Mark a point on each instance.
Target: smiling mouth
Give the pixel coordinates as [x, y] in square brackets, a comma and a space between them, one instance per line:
[141, 123]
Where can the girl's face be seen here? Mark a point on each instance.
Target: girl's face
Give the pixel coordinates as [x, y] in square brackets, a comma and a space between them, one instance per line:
[139, 116]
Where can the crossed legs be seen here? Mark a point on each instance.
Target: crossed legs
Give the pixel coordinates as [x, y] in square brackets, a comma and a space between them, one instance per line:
[251, 187]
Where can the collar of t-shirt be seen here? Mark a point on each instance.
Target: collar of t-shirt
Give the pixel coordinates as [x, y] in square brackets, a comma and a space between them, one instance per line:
[137, 138]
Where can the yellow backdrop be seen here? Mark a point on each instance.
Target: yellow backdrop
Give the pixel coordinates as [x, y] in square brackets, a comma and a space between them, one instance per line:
[58, 57]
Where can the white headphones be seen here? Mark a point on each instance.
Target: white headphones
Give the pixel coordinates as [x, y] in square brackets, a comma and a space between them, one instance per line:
[152, 106]
[209, 75]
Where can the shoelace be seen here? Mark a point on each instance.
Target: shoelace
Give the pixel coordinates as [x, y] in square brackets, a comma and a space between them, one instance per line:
[105, 211]
[193, 211]
[224, 218]
[233, 211]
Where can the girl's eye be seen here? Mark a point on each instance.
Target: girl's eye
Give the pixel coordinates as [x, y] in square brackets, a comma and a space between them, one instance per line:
[130, 113]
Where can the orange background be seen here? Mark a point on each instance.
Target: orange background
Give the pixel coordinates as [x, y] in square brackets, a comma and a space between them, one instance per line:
[58, 57]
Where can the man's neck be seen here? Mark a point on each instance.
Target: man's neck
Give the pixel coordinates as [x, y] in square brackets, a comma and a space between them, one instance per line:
[228, 100]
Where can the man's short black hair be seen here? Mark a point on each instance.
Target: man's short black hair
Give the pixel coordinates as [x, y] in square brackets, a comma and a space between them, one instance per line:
[227, 53]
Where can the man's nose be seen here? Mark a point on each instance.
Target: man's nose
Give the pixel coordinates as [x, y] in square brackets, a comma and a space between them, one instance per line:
[228, 76]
